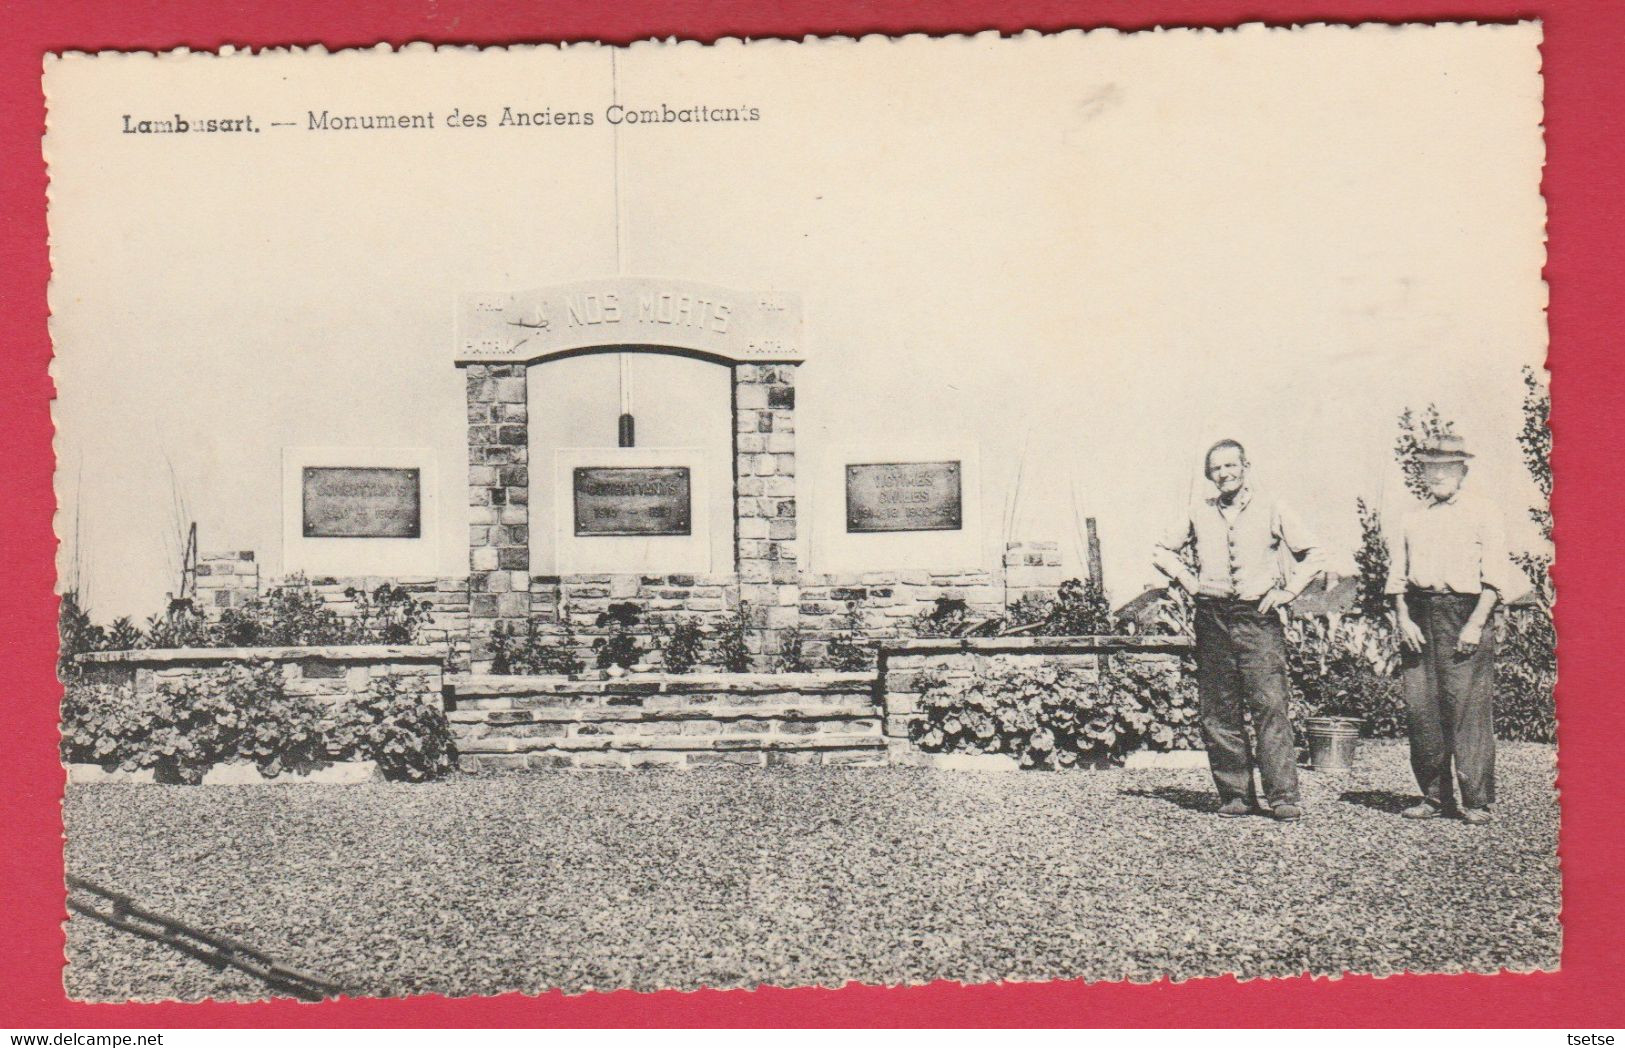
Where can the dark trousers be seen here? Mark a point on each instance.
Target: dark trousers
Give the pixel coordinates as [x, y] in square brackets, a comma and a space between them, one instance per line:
[1449, 701]
[1241, 666]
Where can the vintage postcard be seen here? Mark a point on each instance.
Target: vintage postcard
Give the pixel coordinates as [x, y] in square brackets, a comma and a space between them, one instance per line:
[793, 512]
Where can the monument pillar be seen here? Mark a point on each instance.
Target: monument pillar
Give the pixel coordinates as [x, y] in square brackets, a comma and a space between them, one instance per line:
[764, 405]
[498, 504]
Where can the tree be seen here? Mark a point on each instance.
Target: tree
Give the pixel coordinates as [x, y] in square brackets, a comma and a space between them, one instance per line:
[1536, 441]
[1414, 434]
[1372, 560]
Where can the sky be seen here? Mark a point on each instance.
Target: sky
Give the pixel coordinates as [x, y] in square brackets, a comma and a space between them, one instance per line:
[1084, 256]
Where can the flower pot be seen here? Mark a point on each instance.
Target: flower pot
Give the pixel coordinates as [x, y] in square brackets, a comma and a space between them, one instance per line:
[1333, 742]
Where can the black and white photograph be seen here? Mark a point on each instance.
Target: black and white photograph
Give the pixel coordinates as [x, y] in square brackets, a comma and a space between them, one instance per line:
[802, 512]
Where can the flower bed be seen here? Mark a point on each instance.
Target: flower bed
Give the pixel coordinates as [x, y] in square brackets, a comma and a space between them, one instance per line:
[1045, 701]
[181, 712]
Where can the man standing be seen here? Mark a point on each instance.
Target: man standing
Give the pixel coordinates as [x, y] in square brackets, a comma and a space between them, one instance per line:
[1253, 557]
[1447, 566]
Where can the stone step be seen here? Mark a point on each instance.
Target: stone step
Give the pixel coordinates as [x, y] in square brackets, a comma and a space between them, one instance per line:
[491, 684]
[556, 714]
[673, 743]
[555, 760]
[587, 703]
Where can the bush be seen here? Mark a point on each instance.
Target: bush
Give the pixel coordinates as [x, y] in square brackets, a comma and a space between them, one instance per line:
[388, 615]
[847, 650]
[792, 656]
[1351, 669]
[406, 735]
[945, 618]
[1029, 610]
[1051, 717]
[76, 634]
[242, 713]
[1526, 676]
[1345, 668]
[290, 615]
[621, 647]
[732, 650]
[181, 626]
[124, 635]
[293, 614]
[1080, 610]
[680, 647]
[537, 650]
[105, 724]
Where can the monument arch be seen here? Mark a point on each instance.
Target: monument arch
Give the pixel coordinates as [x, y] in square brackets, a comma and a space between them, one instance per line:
[757, 335]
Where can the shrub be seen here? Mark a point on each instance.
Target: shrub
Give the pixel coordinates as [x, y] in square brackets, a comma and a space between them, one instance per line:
[1029, 610]
[792, 656]
[504, 648]
[945, 618]
[242, 713]
[1526, 676]
[1372, 560]
[260, 722]
[181, 626]
[76, 634]
[847, 651]
[1051, 716]
[537, 650]
[732, 650]
[389, 614]
[1080, 610]
[680, 648]
[124, 635]
[621, 647]
[289, 615]
[404, 733]
[105, 724]
[1345, 667]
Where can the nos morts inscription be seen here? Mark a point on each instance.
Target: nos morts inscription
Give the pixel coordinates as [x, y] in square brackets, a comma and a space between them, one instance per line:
[361, 502]
[903, 496]
[626, 500]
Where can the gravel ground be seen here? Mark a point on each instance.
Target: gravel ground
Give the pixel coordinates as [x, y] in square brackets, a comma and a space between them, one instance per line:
[582, 880]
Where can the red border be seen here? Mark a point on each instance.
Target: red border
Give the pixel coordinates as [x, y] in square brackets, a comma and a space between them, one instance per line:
[1585, 96]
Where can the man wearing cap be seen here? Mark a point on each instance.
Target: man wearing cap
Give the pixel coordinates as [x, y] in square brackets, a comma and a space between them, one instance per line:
[1253, 557]
[1447, 567]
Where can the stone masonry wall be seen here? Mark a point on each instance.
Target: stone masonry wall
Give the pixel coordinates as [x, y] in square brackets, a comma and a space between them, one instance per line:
[227, 579]
[1031, 569]
[886, 604]
[333, 674]
[764, 401]
[448, 627]
[710, 600]
[498, 501]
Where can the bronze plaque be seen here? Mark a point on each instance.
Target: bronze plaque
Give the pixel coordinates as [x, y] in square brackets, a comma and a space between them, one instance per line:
[362, 502]
[903, 496]
[632, 500]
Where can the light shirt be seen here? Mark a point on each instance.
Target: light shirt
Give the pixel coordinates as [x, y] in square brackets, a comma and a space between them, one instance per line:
[1458, 545]
[1243, 550]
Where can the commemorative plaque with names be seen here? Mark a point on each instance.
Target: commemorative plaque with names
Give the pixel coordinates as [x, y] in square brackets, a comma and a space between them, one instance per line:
[903, 496]
[361, 502]
[630, 500]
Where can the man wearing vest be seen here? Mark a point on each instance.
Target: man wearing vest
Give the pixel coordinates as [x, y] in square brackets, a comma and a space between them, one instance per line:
[1447, 566]
[1253, 557]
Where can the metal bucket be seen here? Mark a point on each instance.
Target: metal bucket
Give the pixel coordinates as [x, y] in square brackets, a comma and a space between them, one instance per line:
[1333, 742]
